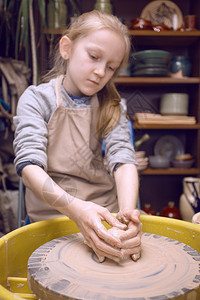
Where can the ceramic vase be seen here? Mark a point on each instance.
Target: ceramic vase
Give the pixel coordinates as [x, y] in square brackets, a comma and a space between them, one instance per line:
[181, 64]
[190, 199]
[57, 14]
[103, 5]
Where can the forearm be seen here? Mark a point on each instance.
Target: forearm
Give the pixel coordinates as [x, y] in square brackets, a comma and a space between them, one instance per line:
[87, 215]
[127, 183]
[40, 183]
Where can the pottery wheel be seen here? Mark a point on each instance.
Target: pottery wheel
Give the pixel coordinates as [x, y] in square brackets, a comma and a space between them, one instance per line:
[65, 268]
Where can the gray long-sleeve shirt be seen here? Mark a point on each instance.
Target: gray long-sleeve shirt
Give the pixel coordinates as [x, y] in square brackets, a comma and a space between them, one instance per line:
[35, 107]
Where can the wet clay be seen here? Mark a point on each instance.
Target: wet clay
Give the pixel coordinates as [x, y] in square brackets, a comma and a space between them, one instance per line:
[66, 268]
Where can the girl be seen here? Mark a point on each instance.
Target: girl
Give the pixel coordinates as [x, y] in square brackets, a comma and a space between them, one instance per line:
[60, 125]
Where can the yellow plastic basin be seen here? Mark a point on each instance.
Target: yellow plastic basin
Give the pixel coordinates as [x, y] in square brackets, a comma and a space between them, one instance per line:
[17, 246]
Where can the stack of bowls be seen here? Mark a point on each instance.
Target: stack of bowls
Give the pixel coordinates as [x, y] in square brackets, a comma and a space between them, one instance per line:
[150, 63]
[142, 160]
[183, 161]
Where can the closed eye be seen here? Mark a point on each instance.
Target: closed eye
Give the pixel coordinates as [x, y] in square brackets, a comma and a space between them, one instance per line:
[111, 68]
[93, 57]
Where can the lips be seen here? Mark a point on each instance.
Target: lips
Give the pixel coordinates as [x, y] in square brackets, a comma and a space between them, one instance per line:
[94, 82]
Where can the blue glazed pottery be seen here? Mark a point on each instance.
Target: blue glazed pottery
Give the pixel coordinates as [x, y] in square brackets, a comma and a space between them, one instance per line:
[181, 63]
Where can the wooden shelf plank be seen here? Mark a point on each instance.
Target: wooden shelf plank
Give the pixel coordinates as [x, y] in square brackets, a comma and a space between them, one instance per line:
[164, 38]
[170, 33]
[170, 171]
[125, 80]
[59, 31]
[152, 33]
[167, 126]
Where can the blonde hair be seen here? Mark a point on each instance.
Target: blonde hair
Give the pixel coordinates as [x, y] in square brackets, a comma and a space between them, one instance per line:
[109, 99]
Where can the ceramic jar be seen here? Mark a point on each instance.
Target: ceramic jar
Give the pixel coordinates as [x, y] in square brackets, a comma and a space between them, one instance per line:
[104, 5]
[190, 199]
[181, 64]
[57, 14]
[191, 22]
[174, 104]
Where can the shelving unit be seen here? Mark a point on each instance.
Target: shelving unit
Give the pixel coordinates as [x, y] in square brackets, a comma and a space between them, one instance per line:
[158, 186]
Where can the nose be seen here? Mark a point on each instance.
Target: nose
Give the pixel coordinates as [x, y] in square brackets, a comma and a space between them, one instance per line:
[100, 70]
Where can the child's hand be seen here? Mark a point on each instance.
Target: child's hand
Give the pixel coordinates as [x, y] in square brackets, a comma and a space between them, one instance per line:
[131, 238]
[89, 217]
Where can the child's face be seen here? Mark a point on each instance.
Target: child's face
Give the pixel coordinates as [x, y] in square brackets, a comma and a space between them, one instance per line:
[92, 62]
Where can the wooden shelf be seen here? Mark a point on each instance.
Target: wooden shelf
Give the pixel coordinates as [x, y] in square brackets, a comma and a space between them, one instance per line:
[170, 33]
[170, 171]
[149, 89]
[59, 31]
[167, 126]
[152, 33]
[153, 38]
[125, 80]
[164, 38]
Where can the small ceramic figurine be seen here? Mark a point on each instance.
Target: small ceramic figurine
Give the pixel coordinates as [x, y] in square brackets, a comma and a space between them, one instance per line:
[148, 210]
[171, 211]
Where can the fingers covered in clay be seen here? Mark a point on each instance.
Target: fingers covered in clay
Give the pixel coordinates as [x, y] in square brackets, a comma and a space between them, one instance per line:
[105, 251]
[132, 246]
[129, 248]
[125, 216]
[132, 236]
[89, 218]
[100, 258]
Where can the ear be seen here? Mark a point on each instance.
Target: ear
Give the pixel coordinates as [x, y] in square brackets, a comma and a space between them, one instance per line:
[65, 47]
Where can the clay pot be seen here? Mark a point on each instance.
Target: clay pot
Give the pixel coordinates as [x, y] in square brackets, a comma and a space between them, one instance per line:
[174, 104]
[181, 64]
[191, 22]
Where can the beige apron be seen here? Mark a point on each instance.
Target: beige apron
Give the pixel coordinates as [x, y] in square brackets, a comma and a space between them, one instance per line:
[74, 159]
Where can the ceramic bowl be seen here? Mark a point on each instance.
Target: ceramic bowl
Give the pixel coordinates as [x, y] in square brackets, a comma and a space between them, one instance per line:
[184, 156]
[159, 162]
[182, 164]
[174, 104]
[158, 57]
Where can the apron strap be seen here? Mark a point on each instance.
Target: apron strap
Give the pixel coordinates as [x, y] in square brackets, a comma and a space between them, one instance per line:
[59, 98]
[58, 82]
